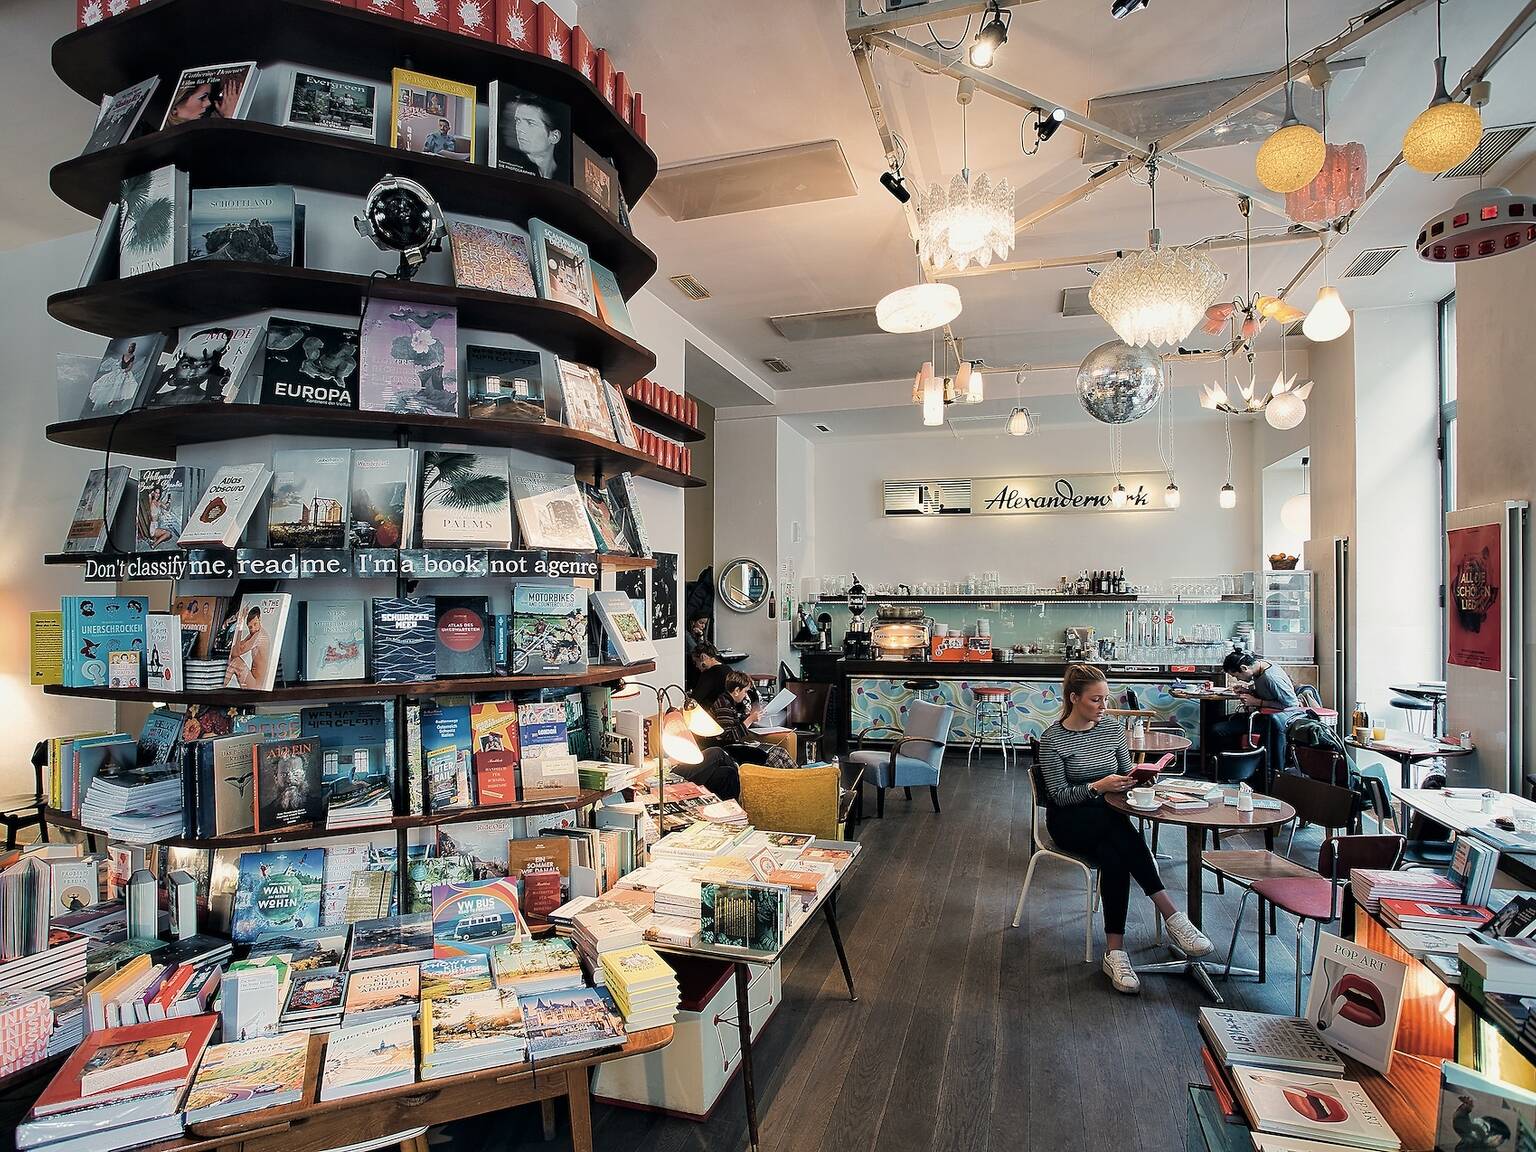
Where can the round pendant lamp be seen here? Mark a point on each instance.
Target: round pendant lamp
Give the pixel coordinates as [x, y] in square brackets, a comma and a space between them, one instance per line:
[1445, 133]
[918, 308]
[1294, 153]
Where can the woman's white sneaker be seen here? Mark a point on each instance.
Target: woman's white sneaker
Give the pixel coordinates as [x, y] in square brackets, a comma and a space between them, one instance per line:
[1117, 966]
[1186, 937]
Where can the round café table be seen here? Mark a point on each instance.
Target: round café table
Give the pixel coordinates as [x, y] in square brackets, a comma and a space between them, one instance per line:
[1408, 749]
[1213, 710]
[1153, 742]
[1196, 822]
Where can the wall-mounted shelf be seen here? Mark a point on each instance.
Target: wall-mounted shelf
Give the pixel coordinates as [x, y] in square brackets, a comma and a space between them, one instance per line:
[237, 152]
[661, 423]
[1000, 598]
[165, 36]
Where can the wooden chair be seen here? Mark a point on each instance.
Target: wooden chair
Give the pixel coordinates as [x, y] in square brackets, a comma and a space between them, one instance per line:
[809, 717]
[793, 799]
[915, 759]
[1045, 848]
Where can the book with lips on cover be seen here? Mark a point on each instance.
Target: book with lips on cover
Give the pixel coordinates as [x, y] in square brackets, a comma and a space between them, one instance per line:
[1312, 1107]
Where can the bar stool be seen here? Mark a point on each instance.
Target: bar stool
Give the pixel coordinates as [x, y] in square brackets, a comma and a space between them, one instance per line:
[919, 686]
[991, 720]
[1416, 713]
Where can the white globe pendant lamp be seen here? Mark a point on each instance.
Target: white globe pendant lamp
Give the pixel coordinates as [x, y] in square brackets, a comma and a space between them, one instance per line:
[918, 308]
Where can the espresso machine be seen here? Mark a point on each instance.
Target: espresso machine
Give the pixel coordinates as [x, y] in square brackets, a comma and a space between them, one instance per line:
[856, 645]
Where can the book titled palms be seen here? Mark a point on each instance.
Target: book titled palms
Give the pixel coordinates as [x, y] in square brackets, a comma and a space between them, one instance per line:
[465, 500]
[549, 629]
[244, 225]
[333, 640]
[165, 499]
[562, 267]
[212, 365]
[311, 494]
[277, 890]
[99, 508]
[506, 383]
[310, 365]
[383, 501]
[226, 505]
[491, 259]
[497, 753]
[551, 512]
[124, 376]
[153, 230]
[261, 620]
[288, 790]
[410, 358]
[624, 627]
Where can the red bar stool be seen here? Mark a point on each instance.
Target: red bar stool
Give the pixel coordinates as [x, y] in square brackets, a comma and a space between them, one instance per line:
[990, 718]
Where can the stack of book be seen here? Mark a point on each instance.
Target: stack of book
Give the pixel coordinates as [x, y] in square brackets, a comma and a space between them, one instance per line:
[390, 940]
[1435, 917]
[530, 967]
[61, 962]
[1373, 885]
[165, 983]
[143, 806]
[369, 1058]
[315, 1000]
[361, 803]
[382, 993]
[1259, 1040]
[603, 930]
[26, 1024]
[699, 841]
[470, 1031]
[643, 986]
[1472, 867]
[605, 776]
[1312, 1108]
[248, 1075]
[749, 916]
[204, 675]
[1497, 965]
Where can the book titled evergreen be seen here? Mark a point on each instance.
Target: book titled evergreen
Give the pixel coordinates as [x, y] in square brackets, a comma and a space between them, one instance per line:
[333, 640]
[165, 499]
[311, 493]
[212, 364]
[465, 500]
[153, 230]
[101, 502]
[310, 365]
[248, 225]
[549, 629]
[383, 511]
[410, 358]
[288, 791]
[277, 890]
[506, 383]
[464, 636]
[404, 639]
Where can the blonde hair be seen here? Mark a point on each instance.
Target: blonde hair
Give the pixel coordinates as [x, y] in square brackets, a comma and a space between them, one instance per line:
[1078, 679]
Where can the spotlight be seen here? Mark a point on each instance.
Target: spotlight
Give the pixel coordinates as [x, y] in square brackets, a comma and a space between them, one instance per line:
[399, 215]
[1045, 126]
[1120, 9]
[993, 35]
[895, 186]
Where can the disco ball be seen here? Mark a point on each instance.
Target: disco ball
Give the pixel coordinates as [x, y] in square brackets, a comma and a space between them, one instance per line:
[1118, 383]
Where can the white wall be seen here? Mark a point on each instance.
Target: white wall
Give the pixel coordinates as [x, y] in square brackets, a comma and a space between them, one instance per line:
[796, 552]
[746, 524]
[1280, 481]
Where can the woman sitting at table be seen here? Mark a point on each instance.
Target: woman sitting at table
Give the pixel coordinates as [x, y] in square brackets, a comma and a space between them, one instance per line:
[1266, 688]
[735, 718]
[1083, 757]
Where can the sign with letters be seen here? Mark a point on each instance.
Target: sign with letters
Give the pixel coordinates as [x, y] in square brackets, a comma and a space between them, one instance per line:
[1024, 495]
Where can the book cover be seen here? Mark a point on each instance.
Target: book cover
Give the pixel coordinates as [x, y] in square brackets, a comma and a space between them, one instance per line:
[549, 629]
[585, 407]
[311, 495]
[330, 104]
[447, 743]
[317, 992]
[1309, 1106]
[455, 975]
[554, 35]
[383, 500]
[226, 506]
[547, 961]
[211, 92]
[120, 116]
[741, 916]
[247, 225]
[464, 635]
[123, 669]
[101, 262]
[309, 365]
[626, 510]
[388, 991]
[624, 627]
[561, 267]
[162, 654]
[231, 780]
[391, 940]
[572, 1020]
[171, 1048]
[288, 791]
[333, 640]
[152, 227]
[491, 259]
[211, 366]
[410, 358]
[1478, 1112]
[466, 918]
[517, 24]
[258, 645]
[432, 116]
[529, 133]
[506, 383]
[623, 426]
[611, 308]
[550, 777]
[95, 626]
[551, 511]
[125, 374]
[98, 509]
[404, 639]
[165, 500]
[541, 730]
[1354, 998]
[305, 949]
[465, 500]
[75, 885]
[1260, 1039]
[367, 1057]
[248, 1075]
[497, 752]
[458, 1029]
[277, 890]
[201, 616]
[596, 177]
[606, 530]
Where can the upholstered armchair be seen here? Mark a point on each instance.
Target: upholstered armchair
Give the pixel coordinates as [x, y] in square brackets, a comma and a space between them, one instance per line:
[914, 759]
[792, 799]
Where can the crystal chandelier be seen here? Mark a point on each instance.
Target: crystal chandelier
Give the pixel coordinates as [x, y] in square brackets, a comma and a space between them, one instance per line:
[1156, 296]
[970, 222]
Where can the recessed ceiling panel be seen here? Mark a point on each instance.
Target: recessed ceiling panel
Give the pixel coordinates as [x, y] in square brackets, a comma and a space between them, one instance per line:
[772, 178]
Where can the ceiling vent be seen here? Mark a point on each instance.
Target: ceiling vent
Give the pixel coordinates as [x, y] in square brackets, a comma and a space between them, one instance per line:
[823, 428]
[774, 364]
[1293, 329]
[690, 287]
[1495, 144]
[772, 178]
[1074, 302]
[836, 324]
[1370, 262]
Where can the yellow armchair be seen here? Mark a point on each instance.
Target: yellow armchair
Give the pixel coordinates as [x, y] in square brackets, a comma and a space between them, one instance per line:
[792, 799]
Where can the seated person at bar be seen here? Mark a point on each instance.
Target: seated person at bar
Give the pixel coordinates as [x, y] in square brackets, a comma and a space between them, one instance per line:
[731, 712]
[1262, 685]
[1083, 756]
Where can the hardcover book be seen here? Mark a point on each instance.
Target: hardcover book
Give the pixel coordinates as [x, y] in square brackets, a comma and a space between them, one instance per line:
[490, 259]
[120, 116]
[309, 365]
[611, 308]
[226, 505]
[471, 1030]
[95, 626]
[101, 263]
[497, 752]
[464, 500]
[152, 221]
[98, 510]
[211, 92]
[432, 116]
[561, 267]
[125, 374]
[531, 965]
[247, 225]
[277, 890]
[383, 497]
[541, 730]
[1312, 1107]
[464, 635]
[333, 640]
[367, 1057]
[165, 499]
[1478, 1112]
[623, 426]
[392, 940]
[549, 629]
[288, 791]
[574, 1020]
[468, 918]
[584, 403]
[530, 134]
[258, 645]
[506, 383]
[626, 510]
[311, 494]
[410, 358]
[331, 104]
[750, 916]
[447, 744]
[455, 975]
[550, 777]
[624, 627]
[162, 1053]
[404, 639]
[551, 511]
[605, 526]
[390, 991]
[232, 782]
[517, 24]
[211, 366]
[162, 657]
[305, 949]
[201, 616]
[248, 1075]
[597, 178]
[1355, 997]
[1263, 1040]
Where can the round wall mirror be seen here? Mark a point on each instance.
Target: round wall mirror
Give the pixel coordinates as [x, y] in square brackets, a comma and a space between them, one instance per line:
[743, 585]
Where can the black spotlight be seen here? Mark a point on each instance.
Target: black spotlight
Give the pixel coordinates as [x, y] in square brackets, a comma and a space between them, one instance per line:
[1045, 126]
[895, 186]
[1120, 9]
[402, 216]
[993, 35]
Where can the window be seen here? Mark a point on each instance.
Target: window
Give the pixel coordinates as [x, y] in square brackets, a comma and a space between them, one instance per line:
[1447, 443]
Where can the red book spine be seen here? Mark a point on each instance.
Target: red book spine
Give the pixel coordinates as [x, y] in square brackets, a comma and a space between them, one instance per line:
[634, 108]
[554, 35]
[1225, 1100]
[473, 18]
[605, 74]
[430, 13]
[620, 97]
[496, 777]
[583, 54]
[637, 122]
[395, 8]
[517, 24]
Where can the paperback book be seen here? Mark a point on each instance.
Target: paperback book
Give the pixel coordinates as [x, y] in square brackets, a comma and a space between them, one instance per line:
[551, 512]
[561, 267]
[94, 627]
[333, 640]
[497, 752]
[465, 500]
[311, 493]
[212, 365]
[163, 655]
[152, 221]
[383, 500]
[277, 890]
[124, 376]
[331, 104]
[410, 358]
[626, 512]
[309, 365]
[165, 501]
[246, 225]
[491, 259]
[98, 510]
[455, 975]
[530, 134]
[226, 506]
[506, 383]
[447, 742]
[404, 639]
[261, 620]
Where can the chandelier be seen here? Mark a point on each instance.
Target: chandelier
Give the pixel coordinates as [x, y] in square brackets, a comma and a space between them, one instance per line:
[1254, 308]
[972, 220]
[1283, 407]
[1156, 296]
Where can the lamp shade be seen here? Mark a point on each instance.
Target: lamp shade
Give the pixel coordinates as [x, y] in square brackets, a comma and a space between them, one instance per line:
[1172, 497]
[1442, 136]
[918, 308]
[699, 721]
[1291, 158]
[1296, 515]
[1020, 422]
[1329, 319]
[1285, 411]
[677, 742]
[1117, 495]
[933, 401]
[1336, 191]
[1228, 496]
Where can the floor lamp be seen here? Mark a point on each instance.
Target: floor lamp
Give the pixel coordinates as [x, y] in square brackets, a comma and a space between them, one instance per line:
[677, 728]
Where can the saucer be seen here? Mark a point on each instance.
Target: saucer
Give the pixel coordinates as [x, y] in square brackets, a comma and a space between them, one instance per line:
[1152, 807]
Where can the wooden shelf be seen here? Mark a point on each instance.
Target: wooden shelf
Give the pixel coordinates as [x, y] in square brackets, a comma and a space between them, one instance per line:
[661, 423]
[165, 36]
[612, 563]
[240, 152]
[287, 835]
[676, 479]
[210, 290]
[359, 689]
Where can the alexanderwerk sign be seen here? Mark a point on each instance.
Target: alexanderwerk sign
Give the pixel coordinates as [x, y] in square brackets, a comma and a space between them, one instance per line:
[1078, 492]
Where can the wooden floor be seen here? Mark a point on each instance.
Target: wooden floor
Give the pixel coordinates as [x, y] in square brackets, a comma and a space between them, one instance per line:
[968, 1034]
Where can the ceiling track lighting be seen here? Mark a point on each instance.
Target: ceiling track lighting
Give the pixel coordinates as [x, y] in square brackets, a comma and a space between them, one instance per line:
[1120, 9]
[1046, 125]
[992, 35]
[895, 185]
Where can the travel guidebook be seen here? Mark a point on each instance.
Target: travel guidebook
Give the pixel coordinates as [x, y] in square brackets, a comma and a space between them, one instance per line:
[368, 1057]
[574, 1020]
[211, 366]
[249, 225]
[497, 753]
[126, 371]
[277, 890]
[506, 383]
[468, 918]
[246, 1076]
[410, 358]
[309, 365]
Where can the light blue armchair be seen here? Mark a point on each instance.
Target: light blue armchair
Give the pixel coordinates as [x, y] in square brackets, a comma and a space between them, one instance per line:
[915, 759]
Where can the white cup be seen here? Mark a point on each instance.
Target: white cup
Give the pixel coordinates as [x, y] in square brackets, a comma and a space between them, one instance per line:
[1144, 798]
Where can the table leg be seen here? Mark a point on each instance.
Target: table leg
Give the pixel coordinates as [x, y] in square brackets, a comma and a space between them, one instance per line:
[830, 908]
[744, 1027]
[579, 1092]
[1194, 848]
[547, 1115]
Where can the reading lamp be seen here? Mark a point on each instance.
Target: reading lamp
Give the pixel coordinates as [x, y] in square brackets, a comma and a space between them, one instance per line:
[678, 728]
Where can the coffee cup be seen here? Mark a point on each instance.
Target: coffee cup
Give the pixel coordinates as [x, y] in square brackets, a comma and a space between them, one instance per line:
[1141, 798]
[1362, 734]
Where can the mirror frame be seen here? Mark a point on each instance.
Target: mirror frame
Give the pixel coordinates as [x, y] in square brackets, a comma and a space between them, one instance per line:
[726, 599]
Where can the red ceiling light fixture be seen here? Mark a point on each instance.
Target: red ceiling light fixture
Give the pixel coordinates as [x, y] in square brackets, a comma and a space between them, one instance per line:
[1340, 187]
[1484, 222]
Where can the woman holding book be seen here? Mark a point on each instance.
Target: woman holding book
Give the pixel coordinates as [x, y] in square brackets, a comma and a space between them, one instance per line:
[1083, 757]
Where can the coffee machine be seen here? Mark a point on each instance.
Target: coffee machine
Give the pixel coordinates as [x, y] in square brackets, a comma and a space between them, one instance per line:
[856, 645]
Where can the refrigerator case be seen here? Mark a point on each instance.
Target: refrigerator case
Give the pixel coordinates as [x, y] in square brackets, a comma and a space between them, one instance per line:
[1285, 611]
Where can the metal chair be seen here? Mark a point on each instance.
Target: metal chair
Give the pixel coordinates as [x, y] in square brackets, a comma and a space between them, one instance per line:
[26, 811]
[927, 734]
[1417, 713]
[1046, 848]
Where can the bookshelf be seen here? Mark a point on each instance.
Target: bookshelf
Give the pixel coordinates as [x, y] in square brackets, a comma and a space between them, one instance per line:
[327, 563]
[661, 423]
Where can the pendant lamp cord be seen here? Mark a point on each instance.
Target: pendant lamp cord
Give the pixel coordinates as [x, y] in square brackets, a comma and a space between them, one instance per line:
[1290, 107]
